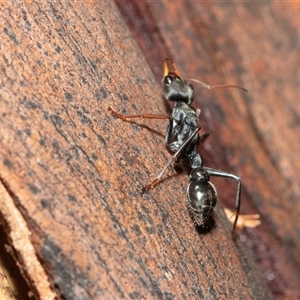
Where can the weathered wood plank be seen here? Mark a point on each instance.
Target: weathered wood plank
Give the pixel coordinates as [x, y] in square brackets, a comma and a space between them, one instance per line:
[74, 172]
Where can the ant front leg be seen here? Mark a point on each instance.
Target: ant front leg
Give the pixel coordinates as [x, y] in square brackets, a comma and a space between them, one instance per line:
[214, 172]
[172, 160]
[140, 116]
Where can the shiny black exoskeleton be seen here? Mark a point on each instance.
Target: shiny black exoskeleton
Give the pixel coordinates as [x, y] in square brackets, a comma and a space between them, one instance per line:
[184, 119]
[183, 140]
[202, 197]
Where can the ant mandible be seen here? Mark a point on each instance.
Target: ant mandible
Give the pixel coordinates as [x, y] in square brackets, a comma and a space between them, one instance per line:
[183, 140]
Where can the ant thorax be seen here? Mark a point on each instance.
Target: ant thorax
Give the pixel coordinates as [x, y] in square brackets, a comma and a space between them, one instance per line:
[183, 121]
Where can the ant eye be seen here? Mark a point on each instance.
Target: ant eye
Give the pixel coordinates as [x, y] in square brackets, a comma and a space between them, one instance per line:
[167, 80]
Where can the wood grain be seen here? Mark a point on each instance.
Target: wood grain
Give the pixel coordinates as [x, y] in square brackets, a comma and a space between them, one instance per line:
[74, 172]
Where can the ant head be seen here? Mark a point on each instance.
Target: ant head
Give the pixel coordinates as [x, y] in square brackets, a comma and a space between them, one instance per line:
[176, 88]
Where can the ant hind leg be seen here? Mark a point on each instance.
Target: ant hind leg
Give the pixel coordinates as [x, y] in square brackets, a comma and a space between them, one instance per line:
[213, 172]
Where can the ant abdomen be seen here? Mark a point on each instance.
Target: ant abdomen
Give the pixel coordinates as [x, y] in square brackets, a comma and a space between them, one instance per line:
[202, 197]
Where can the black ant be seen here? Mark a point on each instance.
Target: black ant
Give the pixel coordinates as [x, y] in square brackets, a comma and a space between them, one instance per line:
[183, 140]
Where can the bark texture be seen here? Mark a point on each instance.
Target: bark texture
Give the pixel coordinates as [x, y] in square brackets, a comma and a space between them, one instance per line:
[71, 173]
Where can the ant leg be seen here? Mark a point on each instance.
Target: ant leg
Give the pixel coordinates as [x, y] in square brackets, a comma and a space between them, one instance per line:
[203, 137]
[214, 172]
[174, 158]
[250, 221]
[140, 116]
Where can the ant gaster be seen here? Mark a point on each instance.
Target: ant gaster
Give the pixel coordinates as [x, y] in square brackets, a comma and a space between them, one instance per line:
[183, 140]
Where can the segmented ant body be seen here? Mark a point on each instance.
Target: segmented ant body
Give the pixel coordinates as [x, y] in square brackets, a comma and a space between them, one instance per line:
[183, 140]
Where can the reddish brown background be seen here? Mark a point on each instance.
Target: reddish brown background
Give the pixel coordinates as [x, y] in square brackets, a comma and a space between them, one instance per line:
[74, 172]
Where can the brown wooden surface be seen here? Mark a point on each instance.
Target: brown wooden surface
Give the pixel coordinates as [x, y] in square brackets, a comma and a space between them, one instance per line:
[74, 172]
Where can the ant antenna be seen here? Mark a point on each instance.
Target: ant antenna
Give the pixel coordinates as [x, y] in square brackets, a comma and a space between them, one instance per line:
[210, 87]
